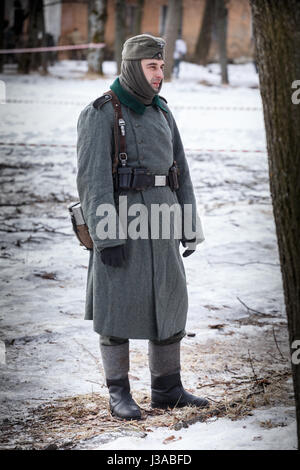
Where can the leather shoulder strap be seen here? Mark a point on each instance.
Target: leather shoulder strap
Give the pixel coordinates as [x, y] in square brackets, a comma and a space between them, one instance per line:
[119, 131]
[99, 102]
[119, 125]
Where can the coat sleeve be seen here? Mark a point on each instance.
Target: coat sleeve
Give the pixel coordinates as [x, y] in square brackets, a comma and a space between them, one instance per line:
[185, 193]
[94, 172]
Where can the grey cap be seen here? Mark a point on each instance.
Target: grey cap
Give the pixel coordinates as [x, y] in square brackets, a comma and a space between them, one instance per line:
[143, 46]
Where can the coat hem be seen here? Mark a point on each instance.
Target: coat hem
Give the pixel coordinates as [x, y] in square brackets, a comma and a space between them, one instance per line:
[144, 337]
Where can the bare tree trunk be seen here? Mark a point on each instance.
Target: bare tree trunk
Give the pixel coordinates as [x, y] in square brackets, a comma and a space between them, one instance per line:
[277, 42]
[204, 38]
[120, 16]
[41, 27]
[97, 22]
[33, 34]
[138, 17]
[2, 10]
[221, 22]
[27, 62]
[36, 38]
[172, 33]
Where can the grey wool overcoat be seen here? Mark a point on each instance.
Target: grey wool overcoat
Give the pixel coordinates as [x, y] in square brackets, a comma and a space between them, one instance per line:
[147, 297]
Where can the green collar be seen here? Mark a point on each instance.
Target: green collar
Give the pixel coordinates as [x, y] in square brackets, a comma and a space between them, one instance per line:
[130, 101]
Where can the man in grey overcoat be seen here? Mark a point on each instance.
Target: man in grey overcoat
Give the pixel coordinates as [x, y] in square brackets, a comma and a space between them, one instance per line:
[136, 286]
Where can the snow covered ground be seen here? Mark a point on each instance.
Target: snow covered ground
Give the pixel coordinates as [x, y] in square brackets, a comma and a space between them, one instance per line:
[47, 350]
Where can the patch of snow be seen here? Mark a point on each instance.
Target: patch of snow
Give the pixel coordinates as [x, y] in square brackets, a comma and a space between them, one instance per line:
[266, 429]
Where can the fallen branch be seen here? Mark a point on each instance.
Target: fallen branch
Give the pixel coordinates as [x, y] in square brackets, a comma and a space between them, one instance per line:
[277, 344]
[251, 309]
[241, 382]
[42, 228]
[245, 264]
[92, 355]
[252, 367]
[16, 204]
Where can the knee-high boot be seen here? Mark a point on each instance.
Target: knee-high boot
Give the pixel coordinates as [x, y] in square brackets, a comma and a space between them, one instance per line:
[115, 361]
[166, 387]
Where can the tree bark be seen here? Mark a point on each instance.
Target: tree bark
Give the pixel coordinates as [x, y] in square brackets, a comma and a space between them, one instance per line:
[277, 43]
[138, 17]
[36, 38]
[204, 37]
[27, 62]
[2, 11]
[97, 23]
[41, 26]
[172, 33]
[221, 23]
[120, 25]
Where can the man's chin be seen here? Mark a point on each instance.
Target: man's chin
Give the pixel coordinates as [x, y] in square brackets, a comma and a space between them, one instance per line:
[155, 87]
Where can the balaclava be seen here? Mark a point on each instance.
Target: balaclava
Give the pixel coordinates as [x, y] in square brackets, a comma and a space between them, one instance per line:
[132, 77]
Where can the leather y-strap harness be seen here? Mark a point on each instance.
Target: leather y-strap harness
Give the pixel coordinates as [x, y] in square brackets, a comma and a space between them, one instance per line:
[119, 133]
[132, 178]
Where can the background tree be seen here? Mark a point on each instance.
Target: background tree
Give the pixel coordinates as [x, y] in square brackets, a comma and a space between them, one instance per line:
[205, 34]
[2, 10]
[42, 33]
[172, 32]
[120, 30]
[221, 14]
[97, 10]
[277, 43]
[36, 37]
[139, 12]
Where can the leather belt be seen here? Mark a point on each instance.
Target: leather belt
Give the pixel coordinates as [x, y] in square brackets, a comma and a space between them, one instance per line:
[140, 179]
[143, 180]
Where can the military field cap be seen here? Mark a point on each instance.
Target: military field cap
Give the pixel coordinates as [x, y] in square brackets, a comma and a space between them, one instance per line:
[143, 46]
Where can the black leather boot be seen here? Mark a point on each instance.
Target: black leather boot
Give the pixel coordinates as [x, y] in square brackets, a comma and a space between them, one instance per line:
[121, 403]
[166, 387]
[115, 359]
[167, 391]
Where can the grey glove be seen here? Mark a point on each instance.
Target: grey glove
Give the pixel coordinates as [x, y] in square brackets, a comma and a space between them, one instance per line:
[114, 256]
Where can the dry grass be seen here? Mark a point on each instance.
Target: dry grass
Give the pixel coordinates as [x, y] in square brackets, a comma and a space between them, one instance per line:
[237, 370]
[65, 422]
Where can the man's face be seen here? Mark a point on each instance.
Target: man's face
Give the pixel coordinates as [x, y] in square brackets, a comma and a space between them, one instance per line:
[154, 71]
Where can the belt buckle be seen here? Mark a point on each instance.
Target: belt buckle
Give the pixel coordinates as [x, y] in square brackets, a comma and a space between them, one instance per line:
[160, 180]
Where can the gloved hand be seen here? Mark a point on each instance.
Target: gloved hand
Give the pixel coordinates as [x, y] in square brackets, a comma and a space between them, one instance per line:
[187, 252]
[114, 256]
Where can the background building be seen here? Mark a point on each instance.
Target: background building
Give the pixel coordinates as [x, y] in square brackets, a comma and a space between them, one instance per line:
[70, 18]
